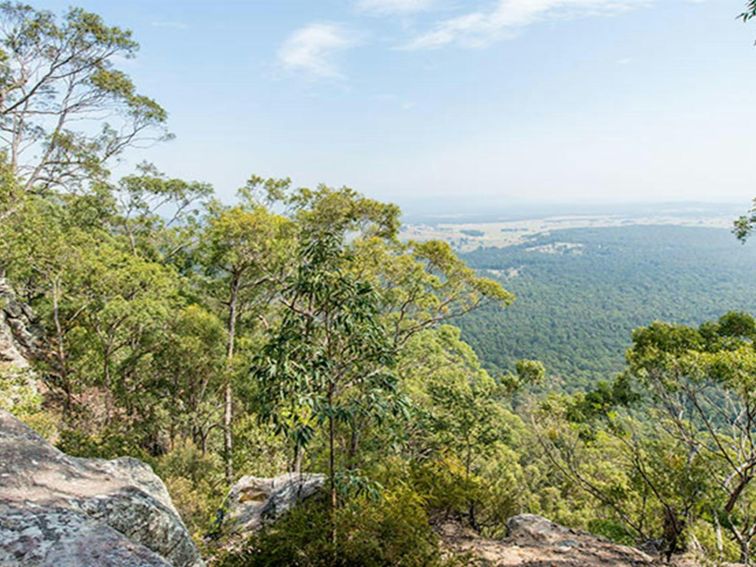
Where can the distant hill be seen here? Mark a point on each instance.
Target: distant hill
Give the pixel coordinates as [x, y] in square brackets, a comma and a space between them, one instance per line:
[580, 293]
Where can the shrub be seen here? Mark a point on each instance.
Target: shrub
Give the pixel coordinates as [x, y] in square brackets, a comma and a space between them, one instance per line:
[195, 482]
[392, 530]
[109, 444]
[20, 397]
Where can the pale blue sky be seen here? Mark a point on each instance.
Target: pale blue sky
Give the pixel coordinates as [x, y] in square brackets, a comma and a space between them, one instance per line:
[463, 100]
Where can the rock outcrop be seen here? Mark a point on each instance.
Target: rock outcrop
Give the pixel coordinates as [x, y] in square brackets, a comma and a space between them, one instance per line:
[17, 337]
[537, 542]
[57, 510]
[254, 502]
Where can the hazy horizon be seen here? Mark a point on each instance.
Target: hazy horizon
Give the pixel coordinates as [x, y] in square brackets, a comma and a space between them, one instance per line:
[478, 211]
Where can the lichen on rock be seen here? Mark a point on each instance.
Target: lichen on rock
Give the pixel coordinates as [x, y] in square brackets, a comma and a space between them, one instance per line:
[61, 510]
[254, 502]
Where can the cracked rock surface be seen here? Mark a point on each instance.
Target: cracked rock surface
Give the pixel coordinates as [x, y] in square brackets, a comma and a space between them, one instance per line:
[535, 541]
[61, 510]
[17, 337]
[254, 502]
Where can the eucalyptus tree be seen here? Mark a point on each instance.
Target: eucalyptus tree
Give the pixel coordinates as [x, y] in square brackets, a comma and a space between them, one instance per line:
[246, 251]
[644, 482]
[159, 215]
[189, 370]
[66, 110]
[327, 210]
[682, 421]
[330, 357]
[53, 242]
[423, 284]
[38, 250]
[419, 285]
[125, 305]
[103, 309]
[460, 421]
[702, 384]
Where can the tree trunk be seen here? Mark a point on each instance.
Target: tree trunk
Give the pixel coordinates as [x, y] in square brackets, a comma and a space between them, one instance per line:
[745, 551]
[332, 462]
[227, 393]
[354, 438]
[108, 386]
[720, 540]
[60, 350]
[471, 503]
[471, 516]
[203, 442]
[296, 463]
[673, 528]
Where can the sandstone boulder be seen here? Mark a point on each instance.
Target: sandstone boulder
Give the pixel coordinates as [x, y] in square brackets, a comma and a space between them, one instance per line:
[60, 510]
[254, 502]
[536, 532]
[537, 542]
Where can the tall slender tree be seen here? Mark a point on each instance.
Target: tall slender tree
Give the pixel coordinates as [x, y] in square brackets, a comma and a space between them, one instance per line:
[329, 351]
[246, 250]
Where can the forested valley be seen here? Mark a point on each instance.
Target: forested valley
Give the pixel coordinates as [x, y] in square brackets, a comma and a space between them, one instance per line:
[577, 305]
[291, 330]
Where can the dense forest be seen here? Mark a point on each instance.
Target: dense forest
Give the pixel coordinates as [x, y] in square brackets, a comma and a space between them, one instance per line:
[292, 330]
[577, 305]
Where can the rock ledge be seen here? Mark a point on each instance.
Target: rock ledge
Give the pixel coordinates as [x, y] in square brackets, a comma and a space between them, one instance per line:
[537, 542]
[57, 510]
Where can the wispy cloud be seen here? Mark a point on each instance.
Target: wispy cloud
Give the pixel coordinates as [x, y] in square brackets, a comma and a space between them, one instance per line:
[507, 17]
[313, 48]
[390, 7]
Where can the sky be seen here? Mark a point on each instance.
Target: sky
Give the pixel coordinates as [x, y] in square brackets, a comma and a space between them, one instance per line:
[453, 103]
